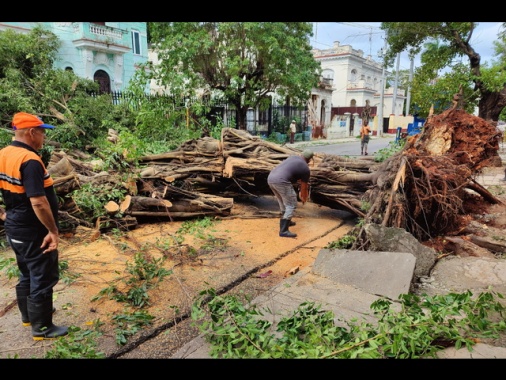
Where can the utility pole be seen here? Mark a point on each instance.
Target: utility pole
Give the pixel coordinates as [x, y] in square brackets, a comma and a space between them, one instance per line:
[382, 94]
[396, 84]
[408, 99]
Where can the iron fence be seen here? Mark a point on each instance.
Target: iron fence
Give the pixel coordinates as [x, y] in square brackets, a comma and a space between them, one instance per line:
[276, 118]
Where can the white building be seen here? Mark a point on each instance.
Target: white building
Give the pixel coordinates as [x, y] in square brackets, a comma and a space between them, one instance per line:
[355, 80]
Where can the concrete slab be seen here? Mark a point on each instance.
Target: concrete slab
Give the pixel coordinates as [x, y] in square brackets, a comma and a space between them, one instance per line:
[345, 301]
[480, 351]
[382, 273]
[346, 283]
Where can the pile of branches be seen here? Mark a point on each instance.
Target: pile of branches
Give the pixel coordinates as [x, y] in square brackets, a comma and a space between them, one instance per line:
[422, 189]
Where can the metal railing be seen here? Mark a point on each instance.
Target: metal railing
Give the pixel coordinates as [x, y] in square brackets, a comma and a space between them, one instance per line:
[269, 121]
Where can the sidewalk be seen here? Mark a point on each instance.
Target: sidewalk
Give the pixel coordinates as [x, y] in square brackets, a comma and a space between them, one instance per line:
[347, 283]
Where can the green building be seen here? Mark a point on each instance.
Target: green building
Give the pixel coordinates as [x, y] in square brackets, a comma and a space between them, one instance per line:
[106, 52]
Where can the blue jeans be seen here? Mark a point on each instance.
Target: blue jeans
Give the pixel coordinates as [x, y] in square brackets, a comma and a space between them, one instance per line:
[39, 271]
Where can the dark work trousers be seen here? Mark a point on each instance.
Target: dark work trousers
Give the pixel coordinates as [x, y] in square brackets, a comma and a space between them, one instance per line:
[39, 271]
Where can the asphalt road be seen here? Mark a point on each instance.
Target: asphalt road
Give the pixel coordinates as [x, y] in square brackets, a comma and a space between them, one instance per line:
[350, 146]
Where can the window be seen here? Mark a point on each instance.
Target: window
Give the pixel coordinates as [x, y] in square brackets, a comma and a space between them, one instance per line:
[136, 42]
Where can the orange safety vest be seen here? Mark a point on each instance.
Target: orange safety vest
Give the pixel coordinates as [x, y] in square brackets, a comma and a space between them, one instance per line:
[11, 159]
[21, 222]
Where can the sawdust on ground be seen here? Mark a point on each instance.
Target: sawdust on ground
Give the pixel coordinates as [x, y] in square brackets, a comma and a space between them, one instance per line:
[223, 254]
[225, 251]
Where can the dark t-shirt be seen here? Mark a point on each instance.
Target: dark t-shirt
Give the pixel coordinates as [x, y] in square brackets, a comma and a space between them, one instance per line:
[290, 171]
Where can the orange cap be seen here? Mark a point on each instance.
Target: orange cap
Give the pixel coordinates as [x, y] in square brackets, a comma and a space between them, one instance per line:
[24, 120]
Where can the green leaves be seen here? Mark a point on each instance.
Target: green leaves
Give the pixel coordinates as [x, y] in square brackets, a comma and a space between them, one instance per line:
[129, 324]
[10, 267]
[240, 61]
[448, 61]
[91, 198]
[418, 327]
[78, 344]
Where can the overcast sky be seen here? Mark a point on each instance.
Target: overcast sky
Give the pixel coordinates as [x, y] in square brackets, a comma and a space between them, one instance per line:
[368, 37]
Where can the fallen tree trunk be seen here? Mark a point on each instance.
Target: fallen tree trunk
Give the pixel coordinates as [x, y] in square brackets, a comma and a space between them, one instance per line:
[422, 189]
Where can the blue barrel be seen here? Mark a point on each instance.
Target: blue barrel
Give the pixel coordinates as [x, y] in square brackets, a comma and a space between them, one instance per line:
[281, 137]
[398, 134]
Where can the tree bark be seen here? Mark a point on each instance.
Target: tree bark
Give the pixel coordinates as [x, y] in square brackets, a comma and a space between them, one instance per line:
[422, 189]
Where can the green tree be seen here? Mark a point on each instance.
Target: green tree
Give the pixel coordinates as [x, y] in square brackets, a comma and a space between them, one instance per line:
[500, 64]
[443, 45]
[30, 83]
[242, 63]
[438, 93]
[24, 59]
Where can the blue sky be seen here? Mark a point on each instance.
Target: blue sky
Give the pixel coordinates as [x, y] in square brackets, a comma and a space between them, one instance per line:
[368, 37]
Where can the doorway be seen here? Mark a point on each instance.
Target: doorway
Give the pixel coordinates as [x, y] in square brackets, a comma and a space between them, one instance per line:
[103, 80]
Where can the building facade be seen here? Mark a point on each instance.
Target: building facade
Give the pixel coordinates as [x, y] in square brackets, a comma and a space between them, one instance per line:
[357, 81]
[107, 52]
[350, 84]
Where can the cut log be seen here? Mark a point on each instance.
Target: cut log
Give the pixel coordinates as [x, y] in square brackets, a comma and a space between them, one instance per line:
[125, 204]
[126, 222]
[234, 166]
[111, 207]
[67, 184]
[138, 203]
[60, 169]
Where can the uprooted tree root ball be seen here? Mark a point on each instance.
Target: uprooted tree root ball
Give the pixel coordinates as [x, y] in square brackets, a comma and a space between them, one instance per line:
[425, 188]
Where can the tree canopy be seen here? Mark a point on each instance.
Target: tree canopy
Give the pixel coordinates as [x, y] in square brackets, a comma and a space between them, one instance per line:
[30, 83]
[442, 46]
[243, 63]
[24, 60]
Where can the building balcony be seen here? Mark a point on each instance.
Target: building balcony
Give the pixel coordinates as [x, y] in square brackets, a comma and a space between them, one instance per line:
[325, 83]
[359, 84]
[103, 38]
